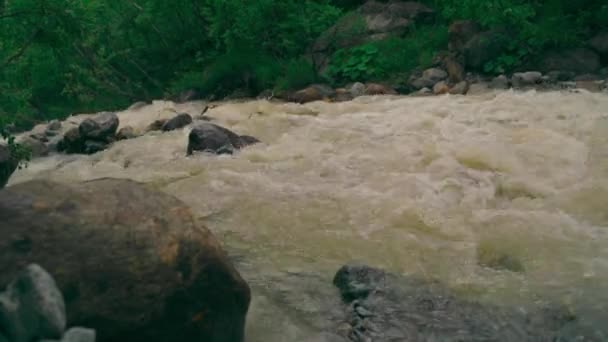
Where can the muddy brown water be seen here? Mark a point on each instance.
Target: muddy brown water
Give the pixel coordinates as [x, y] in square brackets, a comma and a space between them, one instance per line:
[431, 187]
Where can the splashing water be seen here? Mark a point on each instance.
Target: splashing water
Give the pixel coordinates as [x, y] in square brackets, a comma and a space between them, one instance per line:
[424, 186]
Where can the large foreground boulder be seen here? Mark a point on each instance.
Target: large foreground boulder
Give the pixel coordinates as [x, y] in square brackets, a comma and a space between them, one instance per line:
[130, 262]
[7, 165]
[94, 134]
[208, 137]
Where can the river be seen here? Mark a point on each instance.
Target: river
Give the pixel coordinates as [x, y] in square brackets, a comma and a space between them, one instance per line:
[434, 187]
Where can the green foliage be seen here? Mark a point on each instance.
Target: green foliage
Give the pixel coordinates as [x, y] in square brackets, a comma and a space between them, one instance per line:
[359, 63]
[297, 73]
[392, 56]
[59, 57]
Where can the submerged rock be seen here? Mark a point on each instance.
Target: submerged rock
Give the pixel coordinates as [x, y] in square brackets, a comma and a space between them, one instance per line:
[180, 121]
[208, 137]
[131, 262]
[441, 88]
[460, 88]
[383, 307]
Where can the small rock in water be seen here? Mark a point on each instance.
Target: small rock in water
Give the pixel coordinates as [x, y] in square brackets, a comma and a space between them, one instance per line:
[460, 88]
[358, 281]
[32, 307]
[357, 89]
[500, 82]
[180, 121]
[491, 258]
[523, 79]
[99, 127]
[441, 88]
[208, 137]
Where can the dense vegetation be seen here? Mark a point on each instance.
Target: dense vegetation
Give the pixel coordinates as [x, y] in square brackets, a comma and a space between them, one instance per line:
[63, 56]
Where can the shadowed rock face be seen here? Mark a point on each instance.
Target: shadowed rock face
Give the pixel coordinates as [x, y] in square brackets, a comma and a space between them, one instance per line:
[384, 307]
[131, 262]
[7, 165]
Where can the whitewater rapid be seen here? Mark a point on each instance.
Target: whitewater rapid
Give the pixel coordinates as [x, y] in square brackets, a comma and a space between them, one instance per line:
[418, 185]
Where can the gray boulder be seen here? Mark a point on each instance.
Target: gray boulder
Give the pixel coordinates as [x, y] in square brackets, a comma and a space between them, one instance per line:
[524, 79]
[32, 307]
[500, 82]
[460, 88]
[429, 78]
[94, 134]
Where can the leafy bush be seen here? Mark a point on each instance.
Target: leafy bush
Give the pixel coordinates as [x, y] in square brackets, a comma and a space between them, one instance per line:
[297, 73]
[392, 56]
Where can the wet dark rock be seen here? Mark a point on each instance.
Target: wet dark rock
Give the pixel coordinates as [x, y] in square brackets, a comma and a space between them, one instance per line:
[131, 262]
[248, 140]
[126, 133]
[208, 137]
[32, 307]
[94, 146]
[342, 95]
[579, 60]
[383, 307]
[99, 127]
[356, 281]
[180, 121]
[94, 134]
[7, 165]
